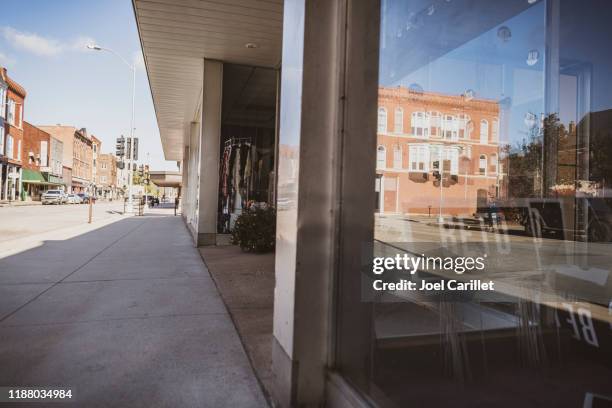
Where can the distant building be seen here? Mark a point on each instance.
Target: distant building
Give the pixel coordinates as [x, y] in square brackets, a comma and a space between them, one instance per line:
[107, 176]
[96, 149]
[53, 173]
[77, 156]
[11, 143]
[426, 136]
[35, 154]
[3, 158]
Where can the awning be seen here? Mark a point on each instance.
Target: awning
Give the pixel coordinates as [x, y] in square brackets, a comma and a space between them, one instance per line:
[176, 36]
[35, 177]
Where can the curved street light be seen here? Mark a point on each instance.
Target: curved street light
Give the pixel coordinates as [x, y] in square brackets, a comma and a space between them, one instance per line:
[96, 47]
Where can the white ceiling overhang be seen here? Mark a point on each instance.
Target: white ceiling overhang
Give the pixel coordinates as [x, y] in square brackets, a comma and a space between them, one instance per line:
[176, 36]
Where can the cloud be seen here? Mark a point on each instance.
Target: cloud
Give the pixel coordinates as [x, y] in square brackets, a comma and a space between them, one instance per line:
[32, 42]
[6, 60]
[41, 46]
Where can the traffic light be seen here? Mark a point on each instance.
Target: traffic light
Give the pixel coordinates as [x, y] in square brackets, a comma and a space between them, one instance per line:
[135, 157]
[120, 146]
[128, 150]
[140, 171]
[120, 165]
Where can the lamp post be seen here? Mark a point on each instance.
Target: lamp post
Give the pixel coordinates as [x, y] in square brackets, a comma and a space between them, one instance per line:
[130, 162]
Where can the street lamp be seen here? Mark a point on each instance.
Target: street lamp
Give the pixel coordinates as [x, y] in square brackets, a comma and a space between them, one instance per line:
[96, 47]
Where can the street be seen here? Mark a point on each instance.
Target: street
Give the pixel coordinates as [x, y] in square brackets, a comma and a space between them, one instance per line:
[122, 312]
[23, 221]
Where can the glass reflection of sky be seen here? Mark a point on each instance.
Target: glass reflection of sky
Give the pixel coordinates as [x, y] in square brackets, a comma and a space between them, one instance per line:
[493, 68]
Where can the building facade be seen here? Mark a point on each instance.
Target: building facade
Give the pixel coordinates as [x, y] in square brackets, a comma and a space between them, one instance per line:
[3, 158]
[437, 153]
[107, 176]
[82, 161]
[36, 152]
[96, 150]
[13, 139]
[386, 112]
[65, 135]
[53, 173]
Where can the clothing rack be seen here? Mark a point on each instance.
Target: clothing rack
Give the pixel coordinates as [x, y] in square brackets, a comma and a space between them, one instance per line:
[238, 140]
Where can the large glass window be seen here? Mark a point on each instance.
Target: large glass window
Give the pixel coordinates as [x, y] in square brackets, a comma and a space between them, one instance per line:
[509, 160]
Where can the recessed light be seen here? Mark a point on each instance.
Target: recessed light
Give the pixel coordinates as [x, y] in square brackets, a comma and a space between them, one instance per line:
[251, 45]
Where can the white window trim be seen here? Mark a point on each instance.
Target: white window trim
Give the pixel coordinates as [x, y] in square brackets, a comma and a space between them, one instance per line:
[418, 153]
[486, 164]
[397, 164]
[382, 124]
[380, 151]
[484, 136]
[10, 148]
[398, 120]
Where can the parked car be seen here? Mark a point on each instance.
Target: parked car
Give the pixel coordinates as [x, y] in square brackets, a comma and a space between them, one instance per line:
[85, 199]
[73, 199]
[52, 197]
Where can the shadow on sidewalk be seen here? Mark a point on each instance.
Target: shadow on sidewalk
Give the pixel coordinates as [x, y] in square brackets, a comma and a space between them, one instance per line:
[125, 315]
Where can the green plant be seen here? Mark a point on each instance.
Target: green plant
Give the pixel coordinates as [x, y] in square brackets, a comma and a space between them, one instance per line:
[255, 230]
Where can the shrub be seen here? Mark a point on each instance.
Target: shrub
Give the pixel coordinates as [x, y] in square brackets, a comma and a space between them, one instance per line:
[255, 230]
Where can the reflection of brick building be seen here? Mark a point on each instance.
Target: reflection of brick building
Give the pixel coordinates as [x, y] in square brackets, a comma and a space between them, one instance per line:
[423, 134]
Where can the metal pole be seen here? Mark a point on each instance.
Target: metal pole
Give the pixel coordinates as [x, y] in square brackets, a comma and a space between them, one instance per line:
[131, 152]
[145, 184]
[440, 219]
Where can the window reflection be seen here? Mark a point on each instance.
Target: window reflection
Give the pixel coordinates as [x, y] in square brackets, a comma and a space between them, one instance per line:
[502, 143]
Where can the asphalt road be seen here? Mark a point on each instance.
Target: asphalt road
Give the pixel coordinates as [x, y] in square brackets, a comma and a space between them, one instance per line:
[22, 221]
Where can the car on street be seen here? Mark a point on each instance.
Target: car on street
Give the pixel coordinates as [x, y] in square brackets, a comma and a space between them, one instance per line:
[85, 199]
[73, 199]
[52, 197]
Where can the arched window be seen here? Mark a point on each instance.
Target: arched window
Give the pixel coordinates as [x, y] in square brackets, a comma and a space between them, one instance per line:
[495, 131]
[381, 157]
[482, 165]
[484, 131]
[397, 157]
[399, 120]
[382, 120]
[493, 163]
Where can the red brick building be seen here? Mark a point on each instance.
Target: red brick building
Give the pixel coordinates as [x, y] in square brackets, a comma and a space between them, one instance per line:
[35, 154]
[426, 136]
[12, 142]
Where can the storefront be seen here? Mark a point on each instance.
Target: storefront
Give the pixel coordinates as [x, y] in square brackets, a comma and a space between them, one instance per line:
[246, 174]
[36, 183]
[467, 130]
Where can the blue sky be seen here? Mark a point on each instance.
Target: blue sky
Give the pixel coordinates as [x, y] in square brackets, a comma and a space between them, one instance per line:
[42, 44]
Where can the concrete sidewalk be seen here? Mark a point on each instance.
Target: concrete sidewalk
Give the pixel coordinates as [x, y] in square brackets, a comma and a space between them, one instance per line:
[125, 315]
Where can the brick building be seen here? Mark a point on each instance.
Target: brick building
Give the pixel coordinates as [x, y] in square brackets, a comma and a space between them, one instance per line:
[96, 149]
[425, 136]
[77, 156]
[107, 175]
[11, 143]
[82, 160]
[35, 154]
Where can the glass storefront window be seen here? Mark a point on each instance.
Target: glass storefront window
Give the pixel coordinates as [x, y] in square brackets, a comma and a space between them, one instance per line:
[508, 154]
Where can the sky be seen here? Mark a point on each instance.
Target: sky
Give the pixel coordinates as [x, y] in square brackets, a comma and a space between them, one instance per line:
[43, 46]
[490, 65]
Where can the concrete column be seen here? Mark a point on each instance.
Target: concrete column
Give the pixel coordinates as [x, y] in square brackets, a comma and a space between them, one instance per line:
[210, 140]
[327, 150]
